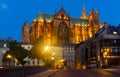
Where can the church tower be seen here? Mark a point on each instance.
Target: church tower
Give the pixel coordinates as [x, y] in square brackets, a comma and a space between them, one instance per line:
[84, 13]
[36, 28]
[93, 20]
[25, 32]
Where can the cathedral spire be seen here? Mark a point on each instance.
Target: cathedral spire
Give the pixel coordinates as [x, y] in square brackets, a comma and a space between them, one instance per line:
[61, 14]
[40, 18]
[83, 6]
[25, 31]
[62, 7]
[83, 12]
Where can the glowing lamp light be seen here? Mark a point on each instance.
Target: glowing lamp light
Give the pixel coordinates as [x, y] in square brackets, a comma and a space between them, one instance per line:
[105, 53]
[9, 56]
[114, 32]
[46, 48]
[52, 58]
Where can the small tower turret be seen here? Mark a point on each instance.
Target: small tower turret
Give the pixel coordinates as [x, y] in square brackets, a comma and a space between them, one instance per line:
[25, 32]
[84, 13]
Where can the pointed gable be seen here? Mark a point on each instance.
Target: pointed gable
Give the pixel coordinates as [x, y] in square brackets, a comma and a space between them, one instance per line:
[61, 14]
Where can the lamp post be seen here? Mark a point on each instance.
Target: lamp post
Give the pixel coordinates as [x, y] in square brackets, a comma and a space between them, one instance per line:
[47, 54]
[50, 56]
[46, 48]
[52, 62]
[9, 59]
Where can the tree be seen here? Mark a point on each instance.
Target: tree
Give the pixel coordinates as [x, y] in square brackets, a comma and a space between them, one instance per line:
[16, 51]
[38, 49]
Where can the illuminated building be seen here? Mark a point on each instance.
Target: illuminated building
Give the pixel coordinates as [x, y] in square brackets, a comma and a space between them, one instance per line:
[4, 48]
[68, 55]
[101, 50]
[109, 45]
[60, 28]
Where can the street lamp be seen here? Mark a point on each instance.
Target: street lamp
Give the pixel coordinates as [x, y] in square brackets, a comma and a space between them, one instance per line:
[47, 54]
[46, 48]
[52, 61]
[9, 59]
[50, 56]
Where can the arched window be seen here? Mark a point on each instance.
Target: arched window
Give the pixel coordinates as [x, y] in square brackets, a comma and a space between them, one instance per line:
[62, 33]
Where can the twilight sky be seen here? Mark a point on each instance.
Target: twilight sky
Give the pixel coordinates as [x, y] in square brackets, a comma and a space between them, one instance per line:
[14, 13]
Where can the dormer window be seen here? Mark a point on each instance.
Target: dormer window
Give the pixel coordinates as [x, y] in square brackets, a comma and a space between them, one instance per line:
[114, 32]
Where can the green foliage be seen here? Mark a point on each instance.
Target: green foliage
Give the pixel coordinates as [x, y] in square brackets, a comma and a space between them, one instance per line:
[38, 49]
[16, 51]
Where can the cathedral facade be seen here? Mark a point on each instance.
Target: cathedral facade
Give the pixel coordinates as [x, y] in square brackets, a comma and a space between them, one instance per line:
[60, 28]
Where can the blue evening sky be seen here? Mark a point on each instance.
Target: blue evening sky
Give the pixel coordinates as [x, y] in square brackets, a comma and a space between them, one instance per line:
[14, 13]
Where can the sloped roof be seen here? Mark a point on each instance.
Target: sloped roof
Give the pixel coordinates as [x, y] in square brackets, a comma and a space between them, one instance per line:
[47, 17]
[61, 11]
[112, 29]
[107, 32]
[79, 21]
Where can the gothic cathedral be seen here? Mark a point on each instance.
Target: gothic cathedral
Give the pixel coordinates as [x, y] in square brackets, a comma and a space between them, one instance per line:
[60, 28]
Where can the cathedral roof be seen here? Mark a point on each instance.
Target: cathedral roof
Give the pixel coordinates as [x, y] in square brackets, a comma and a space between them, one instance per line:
[79, 21]
[101, 24]
[47, 17]
[76, 21]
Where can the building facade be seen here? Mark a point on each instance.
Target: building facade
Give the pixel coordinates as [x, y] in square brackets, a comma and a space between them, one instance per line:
[69, 55]
[101, 50]
[4, 48]
[60, 28]
[63, 30]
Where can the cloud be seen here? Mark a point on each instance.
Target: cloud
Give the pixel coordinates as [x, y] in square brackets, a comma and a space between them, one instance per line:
[3, 6]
